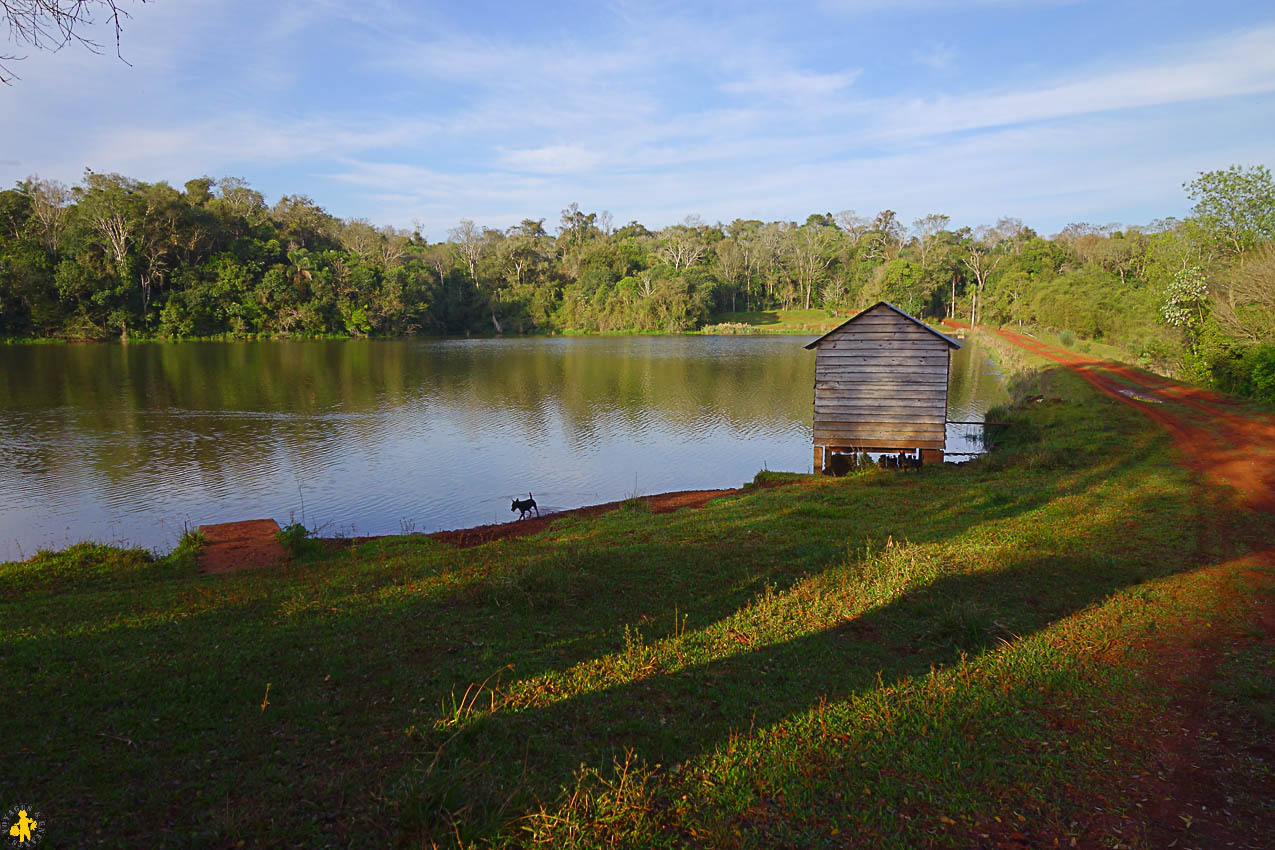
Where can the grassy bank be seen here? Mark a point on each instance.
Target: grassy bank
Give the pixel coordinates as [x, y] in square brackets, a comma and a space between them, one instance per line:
[954, 658]
[817, 321]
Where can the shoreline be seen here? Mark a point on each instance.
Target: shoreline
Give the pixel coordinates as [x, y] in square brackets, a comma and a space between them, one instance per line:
[463, 538]
[251, 544]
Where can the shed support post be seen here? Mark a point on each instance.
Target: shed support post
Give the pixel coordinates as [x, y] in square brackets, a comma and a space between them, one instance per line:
[931, 456]
[819, 459]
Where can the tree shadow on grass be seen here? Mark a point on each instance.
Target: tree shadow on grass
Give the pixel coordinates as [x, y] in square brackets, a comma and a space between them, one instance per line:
[505, 764]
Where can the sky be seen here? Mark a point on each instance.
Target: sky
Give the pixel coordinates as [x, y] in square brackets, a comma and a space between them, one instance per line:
[422, 114]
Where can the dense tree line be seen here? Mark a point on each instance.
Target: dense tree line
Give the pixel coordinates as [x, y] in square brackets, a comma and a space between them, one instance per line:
[116, 257]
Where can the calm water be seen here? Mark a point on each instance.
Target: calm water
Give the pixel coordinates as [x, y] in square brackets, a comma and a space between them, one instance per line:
[129, 443]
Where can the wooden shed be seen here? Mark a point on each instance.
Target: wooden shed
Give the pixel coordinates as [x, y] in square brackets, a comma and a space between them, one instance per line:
[881, 386]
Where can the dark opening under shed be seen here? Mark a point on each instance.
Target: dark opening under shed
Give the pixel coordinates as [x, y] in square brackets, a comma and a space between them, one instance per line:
[881, 386]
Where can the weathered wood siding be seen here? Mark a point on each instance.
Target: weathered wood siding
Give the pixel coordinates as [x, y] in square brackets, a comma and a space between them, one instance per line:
[881, 381]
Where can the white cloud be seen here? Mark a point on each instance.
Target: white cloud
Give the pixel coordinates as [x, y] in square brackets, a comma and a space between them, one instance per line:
[939, 57]
[553, 159]
[792, 84]
[1224, 67]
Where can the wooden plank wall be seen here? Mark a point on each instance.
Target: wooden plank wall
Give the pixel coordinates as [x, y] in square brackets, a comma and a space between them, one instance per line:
[881, 381]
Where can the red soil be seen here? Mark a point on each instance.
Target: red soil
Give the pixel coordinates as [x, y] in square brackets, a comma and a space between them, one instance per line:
[231, 546]
[1228, 447]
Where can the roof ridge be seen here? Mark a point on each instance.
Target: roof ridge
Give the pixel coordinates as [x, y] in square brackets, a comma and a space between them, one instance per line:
[908, 316]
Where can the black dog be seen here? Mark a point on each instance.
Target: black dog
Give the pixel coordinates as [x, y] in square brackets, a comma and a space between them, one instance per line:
[526, 506]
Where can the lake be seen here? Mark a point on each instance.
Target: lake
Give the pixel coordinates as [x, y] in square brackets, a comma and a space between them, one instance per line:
[132, 443]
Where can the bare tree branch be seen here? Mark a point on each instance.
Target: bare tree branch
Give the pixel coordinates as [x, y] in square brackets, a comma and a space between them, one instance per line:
[53, 24]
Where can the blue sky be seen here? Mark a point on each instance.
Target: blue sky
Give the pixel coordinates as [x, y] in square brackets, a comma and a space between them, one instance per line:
[415, 112]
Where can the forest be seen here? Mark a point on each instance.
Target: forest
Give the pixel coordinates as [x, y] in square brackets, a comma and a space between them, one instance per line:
[117, 258]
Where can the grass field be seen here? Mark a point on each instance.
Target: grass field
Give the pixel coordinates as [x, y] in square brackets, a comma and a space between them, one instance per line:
[973, 656]
[817, 321]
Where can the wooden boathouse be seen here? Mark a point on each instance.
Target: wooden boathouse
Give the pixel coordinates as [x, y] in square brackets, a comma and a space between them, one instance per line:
[881, 386]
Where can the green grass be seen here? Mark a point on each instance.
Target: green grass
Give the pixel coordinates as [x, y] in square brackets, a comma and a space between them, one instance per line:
[1080, 345]
[783, 321]
[887, 660]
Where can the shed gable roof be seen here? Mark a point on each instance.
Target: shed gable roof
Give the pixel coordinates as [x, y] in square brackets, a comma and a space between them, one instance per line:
[913, 319]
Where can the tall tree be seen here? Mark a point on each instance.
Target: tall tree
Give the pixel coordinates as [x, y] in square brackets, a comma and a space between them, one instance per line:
[925, 229]
[812, 247]
[50, 206]
[468, 243]
[1235, 205]
[981, 258]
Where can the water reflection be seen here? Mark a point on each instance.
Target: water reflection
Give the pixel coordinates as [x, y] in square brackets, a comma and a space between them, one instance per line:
[131, 442]
[975, 385]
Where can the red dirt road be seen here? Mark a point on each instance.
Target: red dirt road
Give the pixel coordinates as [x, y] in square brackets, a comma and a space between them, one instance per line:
[1216, 438]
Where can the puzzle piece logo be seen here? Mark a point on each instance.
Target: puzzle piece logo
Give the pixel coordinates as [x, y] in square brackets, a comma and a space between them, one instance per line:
[25, 827]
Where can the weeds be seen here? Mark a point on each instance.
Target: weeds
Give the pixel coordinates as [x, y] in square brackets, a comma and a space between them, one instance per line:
[298, 541]
[635, 505]
[192, 540]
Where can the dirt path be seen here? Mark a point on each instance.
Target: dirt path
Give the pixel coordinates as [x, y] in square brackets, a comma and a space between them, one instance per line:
[1203, 745]
[1214, 436]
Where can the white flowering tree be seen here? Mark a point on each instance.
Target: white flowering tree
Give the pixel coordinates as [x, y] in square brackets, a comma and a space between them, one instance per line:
[1186, 304]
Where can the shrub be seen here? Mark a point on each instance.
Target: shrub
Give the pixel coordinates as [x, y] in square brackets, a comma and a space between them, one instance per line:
[1248, 372]
[1263, 358]
[190, 543]
[296, 540]
[1067, 338]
